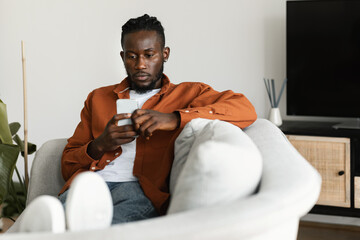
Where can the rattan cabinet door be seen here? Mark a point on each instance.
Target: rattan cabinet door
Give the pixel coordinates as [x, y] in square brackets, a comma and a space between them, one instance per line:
[331, 157]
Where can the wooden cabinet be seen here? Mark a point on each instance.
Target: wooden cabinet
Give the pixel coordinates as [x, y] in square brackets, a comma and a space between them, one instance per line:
[331, 157]
[335, 153]
[357, 192]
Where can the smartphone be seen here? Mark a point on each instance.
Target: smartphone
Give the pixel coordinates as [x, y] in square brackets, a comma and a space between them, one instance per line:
[126, 106]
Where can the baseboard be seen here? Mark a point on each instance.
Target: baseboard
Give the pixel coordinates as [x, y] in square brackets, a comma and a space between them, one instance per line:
[340, 221]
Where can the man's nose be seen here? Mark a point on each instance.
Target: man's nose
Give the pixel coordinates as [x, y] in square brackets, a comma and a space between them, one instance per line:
[140, 63]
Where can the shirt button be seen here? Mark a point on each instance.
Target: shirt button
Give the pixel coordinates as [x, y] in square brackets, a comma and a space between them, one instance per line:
[107, 160]
[211, 112]
[187, 111]
[93, 168]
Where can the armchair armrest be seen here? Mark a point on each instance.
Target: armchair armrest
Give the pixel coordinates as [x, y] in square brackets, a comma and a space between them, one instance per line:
[45, 175]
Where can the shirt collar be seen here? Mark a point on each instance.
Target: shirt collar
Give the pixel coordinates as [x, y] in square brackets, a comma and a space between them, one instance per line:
[122, 89]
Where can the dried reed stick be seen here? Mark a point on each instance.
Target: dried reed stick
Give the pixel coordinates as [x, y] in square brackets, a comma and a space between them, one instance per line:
[25, 115]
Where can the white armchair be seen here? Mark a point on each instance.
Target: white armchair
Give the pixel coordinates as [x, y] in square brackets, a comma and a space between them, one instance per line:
[289, 188]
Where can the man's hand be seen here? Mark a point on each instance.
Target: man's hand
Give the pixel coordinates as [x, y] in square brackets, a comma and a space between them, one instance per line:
[147, 121]
[112, 137]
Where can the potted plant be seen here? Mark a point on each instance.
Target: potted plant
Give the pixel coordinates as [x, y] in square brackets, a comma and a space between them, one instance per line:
[12, 194]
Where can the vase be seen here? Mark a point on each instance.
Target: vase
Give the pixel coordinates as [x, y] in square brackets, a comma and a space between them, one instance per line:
[275, 116]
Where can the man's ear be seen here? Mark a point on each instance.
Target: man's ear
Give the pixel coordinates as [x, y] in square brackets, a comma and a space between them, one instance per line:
[166, 53]
[122, 55]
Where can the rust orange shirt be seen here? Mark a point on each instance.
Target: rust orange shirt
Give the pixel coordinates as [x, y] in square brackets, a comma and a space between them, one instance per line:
[154, 157]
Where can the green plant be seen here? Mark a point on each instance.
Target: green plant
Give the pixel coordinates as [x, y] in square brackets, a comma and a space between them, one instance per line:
[12, 194]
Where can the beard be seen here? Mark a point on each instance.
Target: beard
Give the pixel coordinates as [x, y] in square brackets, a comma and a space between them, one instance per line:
[148, 88]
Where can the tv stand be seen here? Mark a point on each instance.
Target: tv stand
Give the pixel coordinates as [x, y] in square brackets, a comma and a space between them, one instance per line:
[355, 124]
[335, 153]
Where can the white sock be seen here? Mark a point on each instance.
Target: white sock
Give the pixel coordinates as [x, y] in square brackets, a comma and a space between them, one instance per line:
[88, 204]
[43, 214]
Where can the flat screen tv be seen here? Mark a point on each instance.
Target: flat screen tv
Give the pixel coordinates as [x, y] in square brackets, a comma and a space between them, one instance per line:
[323, 58]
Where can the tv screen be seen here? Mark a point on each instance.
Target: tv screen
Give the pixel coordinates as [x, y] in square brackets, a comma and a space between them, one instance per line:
[323, 58]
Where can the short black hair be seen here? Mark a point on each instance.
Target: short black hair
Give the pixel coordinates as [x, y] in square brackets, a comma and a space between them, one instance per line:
[142, 23]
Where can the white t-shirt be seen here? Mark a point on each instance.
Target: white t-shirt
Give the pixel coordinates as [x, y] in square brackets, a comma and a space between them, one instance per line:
[121, 169]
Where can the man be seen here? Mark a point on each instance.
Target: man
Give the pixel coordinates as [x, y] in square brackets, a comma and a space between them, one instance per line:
[135, 160]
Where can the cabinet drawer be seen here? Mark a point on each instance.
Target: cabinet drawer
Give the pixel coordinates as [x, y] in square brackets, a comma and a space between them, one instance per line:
[331, 157]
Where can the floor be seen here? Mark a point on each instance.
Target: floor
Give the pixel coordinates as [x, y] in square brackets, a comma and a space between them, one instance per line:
[5, 224]
[319, 227]
[311, 227]
[318, 231]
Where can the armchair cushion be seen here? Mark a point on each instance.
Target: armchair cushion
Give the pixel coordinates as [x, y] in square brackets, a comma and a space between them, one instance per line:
[222, 165]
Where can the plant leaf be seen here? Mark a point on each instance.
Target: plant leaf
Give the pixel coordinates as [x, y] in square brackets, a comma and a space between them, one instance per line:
[19, 189]
[21, 144]
[31, 149]
[20, 183]
[9, 208]
[13, 207]
[5, 134]
[8, 157]
[15, 201]
[14, 128]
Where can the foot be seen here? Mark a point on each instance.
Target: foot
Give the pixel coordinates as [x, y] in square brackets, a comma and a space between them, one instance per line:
[88, 203]
[43, 214]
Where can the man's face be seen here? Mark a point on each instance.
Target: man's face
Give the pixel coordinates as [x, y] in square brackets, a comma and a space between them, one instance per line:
[144, 57]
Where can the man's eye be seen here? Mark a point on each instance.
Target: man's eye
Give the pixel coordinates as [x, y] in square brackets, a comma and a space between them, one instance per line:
[131, 56]
[149, 55]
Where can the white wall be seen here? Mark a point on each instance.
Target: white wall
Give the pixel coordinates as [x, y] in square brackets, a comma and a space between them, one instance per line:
[72, 47]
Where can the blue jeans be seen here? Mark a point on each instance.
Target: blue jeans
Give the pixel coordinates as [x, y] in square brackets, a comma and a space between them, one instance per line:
[129, 202]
